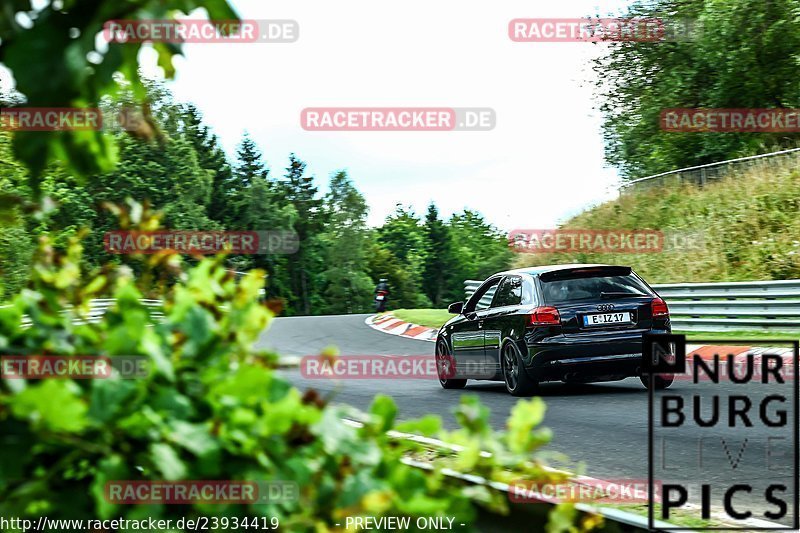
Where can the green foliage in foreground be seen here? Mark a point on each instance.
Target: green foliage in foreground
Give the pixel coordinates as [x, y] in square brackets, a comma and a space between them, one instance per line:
[747, 228]
[58, 45]
[211, 407]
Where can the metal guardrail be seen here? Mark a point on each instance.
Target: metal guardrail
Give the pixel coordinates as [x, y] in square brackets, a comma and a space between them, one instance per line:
[471, 285]
[98, 309]
[702, 174]
[744, 305]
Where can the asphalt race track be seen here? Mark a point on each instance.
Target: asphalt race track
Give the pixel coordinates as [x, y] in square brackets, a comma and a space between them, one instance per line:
[603, 425]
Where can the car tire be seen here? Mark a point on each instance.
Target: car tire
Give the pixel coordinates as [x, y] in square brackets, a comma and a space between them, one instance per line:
[445, 366]
[660, 382]
[517, 380]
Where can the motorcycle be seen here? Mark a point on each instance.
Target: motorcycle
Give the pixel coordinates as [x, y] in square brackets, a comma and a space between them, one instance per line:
[380, 301]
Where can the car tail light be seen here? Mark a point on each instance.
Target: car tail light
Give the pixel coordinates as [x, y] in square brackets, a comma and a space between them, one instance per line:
[659, 308]
[545, 316]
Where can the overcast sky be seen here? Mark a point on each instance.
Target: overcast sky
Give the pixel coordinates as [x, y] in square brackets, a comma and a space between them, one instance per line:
[541, 163]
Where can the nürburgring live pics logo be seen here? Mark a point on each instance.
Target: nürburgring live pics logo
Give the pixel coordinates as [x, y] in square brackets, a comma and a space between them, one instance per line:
[723, 441]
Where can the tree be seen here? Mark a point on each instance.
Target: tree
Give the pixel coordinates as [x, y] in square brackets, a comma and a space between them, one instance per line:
[211, 157]
[479, 249]
[250, 166]
[346, 286]
[259, 206]
[249, 169]
[169, 175]
[745, 57]
[437, 280]
[381, 263]
[403, 236]
[16, 241]
[299, 190]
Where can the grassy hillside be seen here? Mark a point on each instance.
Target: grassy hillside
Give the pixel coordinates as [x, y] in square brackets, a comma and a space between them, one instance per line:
[748, 228]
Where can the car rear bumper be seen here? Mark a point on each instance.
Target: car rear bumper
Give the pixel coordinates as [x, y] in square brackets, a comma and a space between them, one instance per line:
[583, 359]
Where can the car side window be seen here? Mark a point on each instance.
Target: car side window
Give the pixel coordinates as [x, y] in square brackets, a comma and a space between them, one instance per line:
[509, 292]
[482, 298]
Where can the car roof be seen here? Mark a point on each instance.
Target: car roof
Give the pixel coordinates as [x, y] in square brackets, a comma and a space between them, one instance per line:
[536, 270]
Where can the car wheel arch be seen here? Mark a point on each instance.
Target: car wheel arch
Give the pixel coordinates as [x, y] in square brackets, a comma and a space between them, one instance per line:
[522, 349]
[446, 341]
[506, 340]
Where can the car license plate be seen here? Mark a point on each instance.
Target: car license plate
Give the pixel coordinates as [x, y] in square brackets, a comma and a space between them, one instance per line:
[607, 318]
[379, 298]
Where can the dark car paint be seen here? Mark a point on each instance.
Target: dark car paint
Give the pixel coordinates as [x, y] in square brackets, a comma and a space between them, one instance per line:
[570, 352]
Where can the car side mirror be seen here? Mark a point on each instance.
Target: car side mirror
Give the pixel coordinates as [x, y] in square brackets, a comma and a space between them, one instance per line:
[456, 308]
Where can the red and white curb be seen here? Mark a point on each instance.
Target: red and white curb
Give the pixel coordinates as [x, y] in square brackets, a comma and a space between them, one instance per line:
[706, 352]
[741, 353]
[388, 323]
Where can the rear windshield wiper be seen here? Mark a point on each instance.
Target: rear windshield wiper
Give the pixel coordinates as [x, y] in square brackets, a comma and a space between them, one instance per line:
[620, 294]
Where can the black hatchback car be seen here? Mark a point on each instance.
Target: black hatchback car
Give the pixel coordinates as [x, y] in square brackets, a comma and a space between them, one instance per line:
[572, 323]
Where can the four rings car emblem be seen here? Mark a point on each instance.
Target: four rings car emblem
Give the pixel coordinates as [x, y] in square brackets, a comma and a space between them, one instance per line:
[605, 307]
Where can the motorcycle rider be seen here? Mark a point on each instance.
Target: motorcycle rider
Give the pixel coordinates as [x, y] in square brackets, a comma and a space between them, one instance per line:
[381, 294]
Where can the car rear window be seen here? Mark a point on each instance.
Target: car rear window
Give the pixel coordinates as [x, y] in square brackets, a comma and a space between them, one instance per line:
[592, 288]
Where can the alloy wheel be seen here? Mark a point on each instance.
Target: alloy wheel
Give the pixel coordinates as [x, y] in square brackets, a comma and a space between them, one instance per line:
[510, 367]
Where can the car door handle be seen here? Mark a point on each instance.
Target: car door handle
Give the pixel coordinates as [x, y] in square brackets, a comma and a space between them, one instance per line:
[480, 324]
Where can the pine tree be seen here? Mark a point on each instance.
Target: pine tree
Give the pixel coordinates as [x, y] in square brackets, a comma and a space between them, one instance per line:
[438, 264]
[249, 164]
[248, 170]
[299, 190]
[212, 158]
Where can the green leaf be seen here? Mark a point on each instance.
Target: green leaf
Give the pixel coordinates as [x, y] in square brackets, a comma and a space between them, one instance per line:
[165, 53]
[220, 10]
[428, 425]
[473, 416]
[111, 468]
[108, 398]
[248, 385]
[336, 437]
[385, 410]
[562, 519]
[54, 405]
[167, 461]
[525, 416]
[193, 437]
